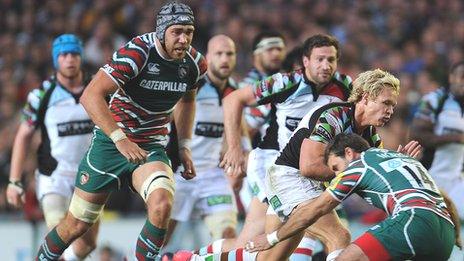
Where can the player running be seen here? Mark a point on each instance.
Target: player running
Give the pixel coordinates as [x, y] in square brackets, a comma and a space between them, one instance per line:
[151, 78]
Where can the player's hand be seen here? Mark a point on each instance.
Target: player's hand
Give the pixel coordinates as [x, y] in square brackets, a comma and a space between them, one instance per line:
[412, 149]
[233, 162]
[235, 182]
[185, 156]
[131, 151]
[15, 196]
[258, 243]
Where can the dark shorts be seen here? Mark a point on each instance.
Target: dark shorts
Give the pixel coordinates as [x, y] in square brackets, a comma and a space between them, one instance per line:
[413, 234]
[104, 168]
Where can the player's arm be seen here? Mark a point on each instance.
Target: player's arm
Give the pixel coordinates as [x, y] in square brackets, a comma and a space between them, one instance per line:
[233, 108]
[93, 100]
[422, 131]
[23, 138]
[184, 115]
[299, 220]
[312, 161]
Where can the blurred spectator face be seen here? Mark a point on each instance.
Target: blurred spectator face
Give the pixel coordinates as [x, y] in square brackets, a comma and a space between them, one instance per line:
[69, 64]
[321, 64]
[456, 80]
[221, 57]
[271, 59]
[177, 40]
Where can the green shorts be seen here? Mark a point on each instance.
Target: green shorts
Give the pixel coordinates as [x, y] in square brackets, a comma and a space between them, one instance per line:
[416, 234]
[105, 169]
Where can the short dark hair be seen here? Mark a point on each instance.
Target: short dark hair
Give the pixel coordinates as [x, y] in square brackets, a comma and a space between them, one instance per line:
[455, 66]
[266, 34]
[341, 141]
[295, 56]
[320, 40]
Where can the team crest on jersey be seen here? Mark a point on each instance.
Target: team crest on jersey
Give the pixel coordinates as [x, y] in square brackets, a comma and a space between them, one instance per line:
[153, 68]
[84, 178]
[182, 71]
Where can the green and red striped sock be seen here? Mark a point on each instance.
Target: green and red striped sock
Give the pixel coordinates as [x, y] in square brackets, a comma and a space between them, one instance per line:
[52, 248]
[149, 242]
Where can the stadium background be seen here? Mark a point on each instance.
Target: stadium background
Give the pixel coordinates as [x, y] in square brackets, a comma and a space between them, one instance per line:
[417, 40]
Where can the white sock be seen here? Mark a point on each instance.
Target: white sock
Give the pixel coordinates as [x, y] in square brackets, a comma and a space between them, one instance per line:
[70, 255]
[304, 250]
[334, 254]
[217, 245]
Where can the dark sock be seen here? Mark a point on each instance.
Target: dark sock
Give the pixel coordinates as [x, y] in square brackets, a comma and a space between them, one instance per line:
[149, 242]
[52, 248]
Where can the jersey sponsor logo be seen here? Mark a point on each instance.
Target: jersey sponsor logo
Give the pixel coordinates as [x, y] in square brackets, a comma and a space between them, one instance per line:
[153, 68]
[209, 129]
[219, 200]
[182, 71]
[291, 123]
[84, 178]
[163, 85]
[75, 128]
[275, 202]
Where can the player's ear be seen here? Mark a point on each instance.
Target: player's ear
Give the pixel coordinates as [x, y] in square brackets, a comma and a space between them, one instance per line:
[349, 153]
[305, 61]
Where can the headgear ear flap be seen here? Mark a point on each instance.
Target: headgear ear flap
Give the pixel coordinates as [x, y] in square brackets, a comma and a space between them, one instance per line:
[65, 43]
[170, 14]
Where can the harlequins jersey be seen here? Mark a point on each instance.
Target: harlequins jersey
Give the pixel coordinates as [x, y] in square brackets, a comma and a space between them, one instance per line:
[208, 127]
[291, 96]
[391, 181]
[150, 86]
[65, 127]
[322, 124]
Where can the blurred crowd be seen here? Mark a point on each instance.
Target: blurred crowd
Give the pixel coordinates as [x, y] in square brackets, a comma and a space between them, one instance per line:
[416, 40]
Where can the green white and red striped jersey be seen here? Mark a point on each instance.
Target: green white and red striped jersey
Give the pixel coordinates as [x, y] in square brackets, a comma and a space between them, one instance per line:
[391, 181]
[150, 86]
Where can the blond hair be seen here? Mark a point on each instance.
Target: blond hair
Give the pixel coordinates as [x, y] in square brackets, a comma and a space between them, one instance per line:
[372, 83]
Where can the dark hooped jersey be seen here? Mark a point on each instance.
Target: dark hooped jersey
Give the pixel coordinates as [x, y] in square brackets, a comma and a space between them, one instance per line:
[322, 124]
[391, 181]
[66, 129]
[291, 96]
[150, 86]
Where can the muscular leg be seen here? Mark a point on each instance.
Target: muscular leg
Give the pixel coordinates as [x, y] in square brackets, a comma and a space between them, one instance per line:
[154, 182]
[171, 227]
[283, 249]
[352, 253]
[71, 227]
[254, 223]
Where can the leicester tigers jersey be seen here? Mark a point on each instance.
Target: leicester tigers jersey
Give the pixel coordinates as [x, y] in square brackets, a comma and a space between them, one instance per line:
[391, 181]
[208, 125]
[291, 96]
[322, 124]
[150, 86]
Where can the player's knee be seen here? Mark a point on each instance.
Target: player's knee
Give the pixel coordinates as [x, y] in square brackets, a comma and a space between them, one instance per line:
[229, 232]
[157, 180]
[84, 213]
[159, 206]
[220, 223]
[54, 208]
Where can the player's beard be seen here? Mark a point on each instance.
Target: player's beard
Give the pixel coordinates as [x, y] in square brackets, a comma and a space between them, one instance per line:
[218, 74]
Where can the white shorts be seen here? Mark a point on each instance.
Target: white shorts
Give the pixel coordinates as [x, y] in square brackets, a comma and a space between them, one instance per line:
[209, 192]
[286, 189]
[259, 161]
[54, 184]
